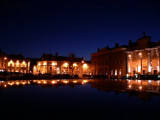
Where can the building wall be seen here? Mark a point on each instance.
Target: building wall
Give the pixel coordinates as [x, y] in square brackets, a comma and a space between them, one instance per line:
[62, 67]
[111, 62]
[14, 65]
[144, 61]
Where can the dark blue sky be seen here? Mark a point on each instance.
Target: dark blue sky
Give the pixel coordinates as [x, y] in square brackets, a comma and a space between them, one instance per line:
[80, 26]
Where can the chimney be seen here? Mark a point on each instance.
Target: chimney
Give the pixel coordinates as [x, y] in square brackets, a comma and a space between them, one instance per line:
[144, 34]
[56, 54]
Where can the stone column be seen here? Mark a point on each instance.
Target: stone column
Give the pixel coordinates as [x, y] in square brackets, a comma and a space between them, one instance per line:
[149, 62]
[157, 52]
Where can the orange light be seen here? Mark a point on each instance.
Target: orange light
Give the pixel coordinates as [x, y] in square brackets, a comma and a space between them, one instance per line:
[65, 81]
[84, 81]
[129, 56]
[140, 54]
[85, 66]
[5, 58]
[53, 64]
[44, 82]
[74, 81]
[44, 63]
[17, 83]
[140, 87]
[39, 82]
[53, 82]
[65, 64]
[74, 65]
[129, 86]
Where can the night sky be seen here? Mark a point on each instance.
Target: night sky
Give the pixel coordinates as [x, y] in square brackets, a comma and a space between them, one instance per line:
[81, 26]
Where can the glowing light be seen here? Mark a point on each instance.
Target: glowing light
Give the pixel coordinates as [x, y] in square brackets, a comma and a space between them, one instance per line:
[23, 64]
[127, 75]
[17, 63]
[129, 56]
[5, 58]
[140, 87]
[53, 82]
[53, 64]
[35, 68]
[24, 83]
[74, 65]
[65, 81]
[139, 80]
[74, 81]
[85, 66]
[39, 82]
[65, 64]
[120, 72]
[84, 81]
[139, 68]
[158, 68]
[5, 85]
[140, 54]
[44, 63]
[11, 63]
[17, 83]
[149, 68]
[149, 81]
[115, 71]
[44, 82]
[82, 61]
[129, 86]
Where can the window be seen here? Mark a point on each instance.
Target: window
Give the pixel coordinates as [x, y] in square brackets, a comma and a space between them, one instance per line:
[1, 64]
[115, 71]
[120, 72]
[111, 72]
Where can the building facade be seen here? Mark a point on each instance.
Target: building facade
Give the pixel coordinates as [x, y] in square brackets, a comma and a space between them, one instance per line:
[14, 63]
[62, 65]
[145, 58]
[109, 61]
[137, 58]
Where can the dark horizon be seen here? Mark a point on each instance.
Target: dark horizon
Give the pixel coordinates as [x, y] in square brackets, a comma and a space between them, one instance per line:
[36, 27]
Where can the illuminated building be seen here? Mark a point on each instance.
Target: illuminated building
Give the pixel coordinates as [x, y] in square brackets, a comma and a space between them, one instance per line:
[140, 57]
[143, 57]
[61, 65]
[109, 61]
[14, 63]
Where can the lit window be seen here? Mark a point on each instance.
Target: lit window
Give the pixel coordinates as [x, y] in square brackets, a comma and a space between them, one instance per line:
[11, 63]
[129, 56]
[74, 65]
[44, 63]
[111, 72]
[120, 72]
[17, 64]
[85, 66]
[23, 64]
[115, 71]
[65, 65]
[54, 63]
[35, 68]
